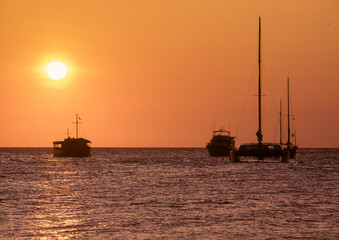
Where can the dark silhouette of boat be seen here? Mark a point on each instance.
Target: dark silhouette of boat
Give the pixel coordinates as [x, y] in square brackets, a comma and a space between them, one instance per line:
[221, 143]
[288, 145]
[72, 147]
[260, 149]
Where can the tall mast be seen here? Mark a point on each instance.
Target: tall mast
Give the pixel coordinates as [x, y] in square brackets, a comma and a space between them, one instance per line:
[76, 125]
[288, 113]
[259, 132]
[280, 124]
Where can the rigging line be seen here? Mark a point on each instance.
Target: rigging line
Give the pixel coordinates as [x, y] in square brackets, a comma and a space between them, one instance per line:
[293, 123]
[255, 104]
[83, 131]
[283, 123]
[276, 131]
[291, 102]
[248, 90]
[283, 138]
[267, 85]
[271, 93]
[264, 107]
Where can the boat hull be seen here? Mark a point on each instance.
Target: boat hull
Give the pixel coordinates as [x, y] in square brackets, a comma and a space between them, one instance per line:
[220, 145]
[72, 147]
[293, 151]
[72, 153]
[261, 151]
[218, 150]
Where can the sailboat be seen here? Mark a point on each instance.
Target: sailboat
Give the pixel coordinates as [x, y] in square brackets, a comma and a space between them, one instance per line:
[260, 149]
[72, 147]
[288, 145]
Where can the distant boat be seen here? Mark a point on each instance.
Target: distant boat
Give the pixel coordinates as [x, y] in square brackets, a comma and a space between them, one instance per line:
[72, 147]
[260, 149]
[221, 143]
[289, 145]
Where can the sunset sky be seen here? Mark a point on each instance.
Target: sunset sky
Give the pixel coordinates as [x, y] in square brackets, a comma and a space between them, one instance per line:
[148, 73]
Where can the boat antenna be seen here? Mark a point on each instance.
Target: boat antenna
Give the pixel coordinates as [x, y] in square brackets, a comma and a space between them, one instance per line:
[288, 113]
[259, 132]
[76, 125]
[280, 124]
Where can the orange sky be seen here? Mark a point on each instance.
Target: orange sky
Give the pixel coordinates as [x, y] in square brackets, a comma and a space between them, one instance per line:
[148, 73]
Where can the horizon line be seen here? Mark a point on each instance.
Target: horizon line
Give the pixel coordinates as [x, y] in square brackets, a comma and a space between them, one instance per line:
[171, 147]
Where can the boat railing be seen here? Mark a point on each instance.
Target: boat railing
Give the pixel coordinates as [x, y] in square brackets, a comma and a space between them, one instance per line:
[221, 132]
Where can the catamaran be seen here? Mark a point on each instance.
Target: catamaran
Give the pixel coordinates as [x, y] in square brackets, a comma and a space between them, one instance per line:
[260, 149]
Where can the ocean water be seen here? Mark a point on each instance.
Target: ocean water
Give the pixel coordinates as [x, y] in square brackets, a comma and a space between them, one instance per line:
[145, 193]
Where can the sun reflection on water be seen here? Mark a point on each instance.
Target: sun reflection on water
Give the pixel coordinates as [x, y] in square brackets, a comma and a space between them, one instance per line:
[59, 206]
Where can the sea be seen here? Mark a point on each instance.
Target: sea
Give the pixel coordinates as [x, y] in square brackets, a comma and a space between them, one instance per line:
[167, 193]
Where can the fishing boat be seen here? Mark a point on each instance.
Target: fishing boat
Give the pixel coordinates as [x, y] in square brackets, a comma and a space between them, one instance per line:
[260, 149]
[221, 143]
[288, 145]
[72, 147]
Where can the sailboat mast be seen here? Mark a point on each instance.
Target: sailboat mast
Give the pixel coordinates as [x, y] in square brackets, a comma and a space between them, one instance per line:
[280, 113]
[76, 125]
[259, 132]
[288, 113]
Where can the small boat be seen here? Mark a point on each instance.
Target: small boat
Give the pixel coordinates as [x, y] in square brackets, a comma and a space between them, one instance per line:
[221, 143]
[72, 147]
[260, 149]
[288, 145]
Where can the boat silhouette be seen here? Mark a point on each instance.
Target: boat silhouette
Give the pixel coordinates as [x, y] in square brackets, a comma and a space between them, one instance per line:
[260, 149]
[221, 143]
[288, 145]
[72, 147]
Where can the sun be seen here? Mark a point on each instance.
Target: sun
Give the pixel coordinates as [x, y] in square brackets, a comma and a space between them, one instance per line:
[56, 70]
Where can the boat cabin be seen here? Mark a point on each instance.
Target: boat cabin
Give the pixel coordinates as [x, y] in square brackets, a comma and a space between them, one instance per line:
[72, 147]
